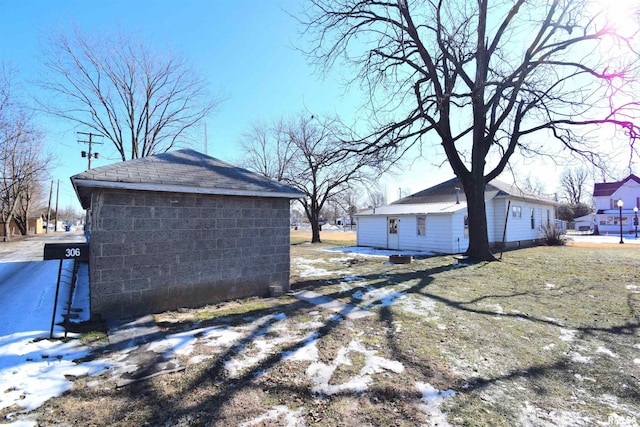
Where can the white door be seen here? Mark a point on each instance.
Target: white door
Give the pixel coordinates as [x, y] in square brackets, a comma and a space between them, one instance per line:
[392, 233]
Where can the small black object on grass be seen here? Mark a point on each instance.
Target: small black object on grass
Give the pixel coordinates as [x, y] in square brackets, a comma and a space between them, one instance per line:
[400, 259]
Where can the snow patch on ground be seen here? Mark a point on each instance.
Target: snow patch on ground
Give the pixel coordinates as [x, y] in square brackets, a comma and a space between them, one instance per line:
[360, 250]
[420, 306]
[321, 373]
[282, 414]
[431, 401]
[567, 335]
[606, 351]
[33, 371]
[578, 358]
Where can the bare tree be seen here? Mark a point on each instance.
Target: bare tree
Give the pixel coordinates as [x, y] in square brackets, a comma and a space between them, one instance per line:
[23, 161]
[377, 196]
[140, 100]
[348, 202]
[70, 214]
[533, 185]
[484, 79]
[32, 200]
[573, 182]
[309, 153]
[267, 149]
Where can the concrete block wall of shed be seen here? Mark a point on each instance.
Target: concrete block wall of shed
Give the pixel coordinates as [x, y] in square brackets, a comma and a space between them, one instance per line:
[177, 250]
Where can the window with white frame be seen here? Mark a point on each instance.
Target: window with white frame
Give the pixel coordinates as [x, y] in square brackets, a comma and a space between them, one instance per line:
[422, 224]
[516, 211]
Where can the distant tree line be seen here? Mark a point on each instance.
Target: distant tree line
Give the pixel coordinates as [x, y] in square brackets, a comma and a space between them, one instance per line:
[24, 161]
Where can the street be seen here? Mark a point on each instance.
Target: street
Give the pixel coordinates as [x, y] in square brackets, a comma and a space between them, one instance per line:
[27, 283]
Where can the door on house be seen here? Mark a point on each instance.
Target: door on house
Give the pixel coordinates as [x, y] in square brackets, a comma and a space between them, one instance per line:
[392, 233]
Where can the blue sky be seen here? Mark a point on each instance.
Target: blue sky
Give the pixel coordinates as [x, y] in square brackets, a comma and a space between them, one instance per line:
[243, 48]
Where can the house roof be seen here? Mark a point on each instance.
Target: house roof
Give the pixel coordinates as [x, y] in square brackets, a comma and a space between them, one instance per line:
[609, 188]
[181, 171]
[446, 193]
[449, 197]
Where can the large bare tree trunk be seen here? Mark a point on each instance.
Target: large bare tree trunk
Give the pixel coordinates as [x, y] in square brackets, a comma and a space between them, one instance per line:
[7, 227]
[315, 232]
[479, 249]
[313, 215]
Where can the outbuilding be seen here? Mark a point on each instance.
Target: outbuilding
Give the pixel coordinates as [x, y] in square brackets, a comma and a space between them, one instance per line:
[182, 229]
[435, 219]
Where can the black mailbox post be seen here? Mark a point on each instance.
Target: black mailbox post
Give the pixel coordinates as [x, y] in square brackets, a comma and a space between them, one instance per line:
[62, 251]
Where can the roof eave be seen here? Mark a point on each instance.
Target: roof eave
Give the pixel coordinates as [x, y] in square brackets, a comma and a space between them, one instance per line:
[171, 188]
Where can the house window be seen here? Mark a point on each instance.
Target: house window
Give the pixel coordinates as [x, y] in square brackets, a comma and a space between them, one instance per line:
[393, 226]
[533, 220]
[516, 211]
[422, 226]
[548, 217]
[466, 226]
[614, 220]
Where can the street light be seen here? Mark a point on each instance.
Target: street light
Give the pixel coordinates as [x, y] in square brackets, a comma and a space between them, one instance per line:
[620, 204]
[635, 219]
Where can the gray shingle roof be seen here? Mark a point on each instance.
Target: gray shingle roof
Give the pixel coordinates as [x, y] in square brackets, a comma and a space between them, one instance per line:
[446, 193]
[181, 171]
[442, 198]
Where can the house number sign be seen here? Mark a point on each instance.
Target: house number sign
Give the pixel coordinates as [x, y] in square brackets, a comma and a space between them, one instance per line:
[77, 251]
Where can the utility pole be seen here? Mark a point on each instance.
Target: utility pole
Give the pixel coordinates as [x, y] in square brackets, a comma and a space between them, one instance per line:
[206, 140]
[55, 227]
[90, 141]
[49, 208]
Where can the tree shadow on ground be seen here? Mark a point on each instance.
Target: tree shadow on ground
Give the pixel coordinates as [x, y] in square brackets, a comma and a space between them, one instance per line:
[224, 389]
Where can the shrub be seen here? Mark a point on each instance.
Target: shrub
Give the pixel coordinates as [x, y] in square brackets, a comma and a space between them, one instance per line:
[554, 236]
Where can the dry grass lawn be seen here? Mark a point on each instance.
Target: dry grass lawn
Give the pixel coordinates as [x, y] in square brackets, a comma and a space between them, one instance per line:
[548, 336]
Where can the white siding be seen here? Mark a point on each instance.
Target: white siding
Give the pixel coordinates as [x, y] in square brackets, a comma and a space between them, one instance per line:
[629, 193]
[408, 234]
[496, 211]
[520, 229]
[438, 238]
[608, 222]
[439, 233]
[459, 240]
[445, 232]
[371, 231]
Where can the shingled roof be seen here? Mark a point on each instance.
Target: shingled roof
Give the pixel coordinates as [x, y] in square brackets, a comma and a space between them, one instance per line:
[181, 171]
[609, 188]
[444, 198]
[447, 191]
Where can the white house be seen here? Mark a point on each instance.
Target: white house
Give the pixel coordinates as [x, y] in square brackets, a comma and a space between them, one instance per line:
[608, 213]
[435, 219]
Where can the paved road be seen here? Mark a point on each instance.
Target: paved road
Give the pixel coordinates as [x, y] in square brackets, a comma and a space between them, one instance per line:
[31, 248]
[27, 283]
